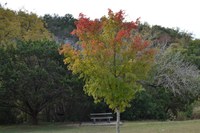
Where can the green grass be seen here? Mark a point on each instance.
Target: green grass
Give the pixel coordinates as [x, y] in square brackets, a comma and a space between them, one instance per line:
[127, 127]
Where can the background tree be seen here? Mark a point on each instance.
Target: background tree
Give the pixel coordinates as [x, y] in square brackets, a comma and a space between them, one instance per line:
[161, 35]
[32, 27]
[179, 78]
[21, 26]
[10, 26]
[32, 76]
[175, 66]
[172, 71]
[61, 27]
[149, 104]
[192, 52]
[111, 59]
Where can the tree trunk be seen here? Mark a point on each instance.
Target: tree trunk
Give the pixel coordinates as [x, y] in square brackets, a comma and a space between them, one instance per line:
[118, 121]
[47, 113]
[34, 118]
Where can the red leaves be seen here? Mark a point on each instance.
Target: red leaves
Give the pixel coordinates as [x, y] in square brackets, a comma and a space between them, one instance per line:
[139, 44]
[119, 16]
[111, 59]
[108, 33]
[86, 26]
[142, 48]
[121, 34]
[130, 25]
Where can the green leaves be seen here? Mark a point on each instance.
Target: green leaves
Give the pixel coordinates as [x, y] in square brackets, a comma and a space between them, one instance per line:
[32, 75]
[111, 60]
[61, 27]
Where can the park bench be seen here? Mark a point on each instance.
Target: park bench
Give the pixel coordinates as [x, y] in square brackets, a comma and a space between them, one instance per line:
[100, 116]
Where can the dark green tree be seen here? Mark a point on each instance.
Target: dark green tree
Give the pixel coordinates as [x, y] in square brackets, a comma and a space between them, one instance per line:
[193, 52]
[61, 27]
[32, 76]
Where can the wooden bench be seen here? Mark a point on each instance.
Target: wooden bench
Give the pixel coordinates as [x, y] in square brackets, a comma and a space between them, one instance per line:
[101, 116]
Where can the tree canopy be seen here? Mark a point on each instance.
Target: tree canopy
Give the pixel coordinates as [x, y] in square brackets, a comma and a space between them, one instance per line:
[21, 26]
[32, 76]
[111, 59]
[61, 27]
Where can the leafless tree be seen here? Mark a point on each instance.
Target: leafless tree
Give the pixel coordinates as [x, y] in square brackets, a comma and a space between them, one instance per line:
[173, 72]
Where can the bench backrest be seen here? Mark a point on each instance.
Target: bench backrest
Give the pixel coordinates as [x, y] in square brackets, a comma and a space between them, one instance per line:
[100, 114]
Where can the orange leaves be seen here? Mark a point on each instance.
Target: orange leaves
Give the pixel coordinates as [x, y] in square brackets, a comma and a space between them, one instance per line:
[125, 30]
[130, 25]
[139, 44]
[64, 49]
[86, 27]
[108, 36]
[95, 47]
[119, 16]
[142, 49]
[121, 34]
[91, 29]
[70, 53]
[113, 56]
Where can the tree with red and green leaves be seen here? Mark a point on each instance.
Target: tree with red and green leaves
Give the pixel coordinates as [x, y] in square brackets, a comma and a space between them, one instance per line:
[112, 58]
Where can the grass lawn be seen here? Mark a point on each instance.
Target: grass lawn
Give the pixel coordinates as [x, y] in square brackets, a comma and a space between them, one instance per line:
[127, 127]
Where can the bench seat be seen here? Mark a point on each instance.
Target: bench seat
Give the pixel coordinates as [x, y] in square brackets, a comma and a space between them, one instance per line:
[101, 116]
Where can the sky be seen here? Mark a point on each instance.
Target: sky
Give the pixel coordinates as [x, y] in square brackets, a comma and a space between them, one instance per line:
[182, 14]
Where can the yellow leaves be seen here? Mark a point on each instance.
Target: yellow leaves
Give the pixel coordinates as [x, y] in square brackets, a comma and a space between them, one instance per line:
[32, 27]
[21, 26]
[65, 49]
[9, 25]
[67, 60]
[111, 59]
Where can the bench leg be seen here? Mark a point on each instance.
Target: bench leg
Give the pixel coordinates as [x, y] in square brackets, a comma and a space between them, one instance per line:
[94, 121]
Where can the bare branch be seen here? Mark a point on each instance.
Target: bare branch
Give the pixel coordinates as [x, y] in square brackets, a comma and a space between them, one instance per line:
[173, 72]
